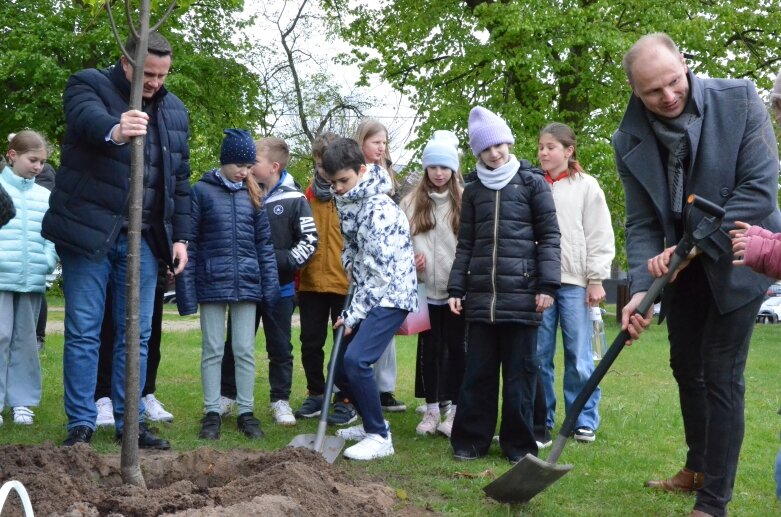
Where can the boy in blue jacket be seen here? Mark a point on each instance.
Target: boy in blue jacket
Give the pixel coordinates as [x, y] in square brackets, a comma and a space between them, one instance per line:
[378, 253]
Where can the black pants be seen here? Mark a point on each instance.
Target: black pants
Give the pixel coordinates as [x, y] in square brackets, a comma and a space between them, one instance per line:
[106, 353]
[43, 315]
[708, 353]
[439, 370]
[318, 312]
[513, 348]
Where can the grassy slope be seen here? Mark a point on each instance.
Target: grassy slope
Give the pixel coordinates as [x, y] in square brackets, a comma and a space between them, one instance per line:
[640, 434]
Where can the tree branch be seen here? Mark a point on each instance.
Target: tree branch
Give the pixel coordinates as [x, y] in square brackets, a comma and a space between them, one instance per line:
[165, 16]
[116, 33]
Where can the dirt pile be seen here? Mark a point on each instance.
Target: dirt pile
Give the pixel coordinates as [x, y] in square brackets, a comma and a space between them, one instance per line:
[76, 481]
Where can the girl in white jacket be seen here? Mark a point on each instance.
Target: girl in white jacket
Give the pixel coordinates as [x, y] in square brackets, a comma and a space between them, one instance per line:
[25, 260]
[587, 250]
[434, 210]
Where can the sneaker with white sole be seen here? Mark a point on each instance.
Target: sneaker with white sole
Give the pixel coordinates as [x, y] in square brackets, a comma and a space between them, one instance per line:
[544, 445]
[391, 404]
[154, 410]
[446, 427]
[23, 416]
[429, 423]
[343, 413]
[372, 447]
[105, 412]
[585, 434]
[283, 413]
[227, 405]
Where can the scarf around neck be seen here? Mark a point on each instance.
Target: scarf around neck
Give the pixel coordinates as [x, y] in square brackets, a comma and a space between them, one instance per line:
[497, 179]
[321, 188]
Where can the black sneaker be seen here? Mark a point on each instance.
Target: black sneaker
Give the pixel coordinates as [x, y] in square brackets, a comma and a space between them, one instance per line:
[79, 434]
[390, 404]
[585, 434]
[311, 407]
[210, 426]
[343, 413]
[147, 439]
[249, 425]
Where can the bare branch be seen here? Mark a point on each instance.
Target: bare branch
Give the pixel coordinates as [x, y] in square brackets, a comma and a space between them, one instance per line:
[164, 17]
[129, 18]
[116, 34]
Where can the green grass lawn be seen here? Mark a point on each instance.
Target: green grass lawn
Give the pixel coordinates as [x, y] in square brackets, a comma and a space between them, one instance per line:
[640, 434]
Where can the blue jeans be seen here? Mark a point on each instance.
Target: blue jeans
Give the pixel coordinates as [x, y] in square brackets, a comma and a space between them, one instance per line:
[84, 287]
[359, 351]
[778, 476]
[570, 310]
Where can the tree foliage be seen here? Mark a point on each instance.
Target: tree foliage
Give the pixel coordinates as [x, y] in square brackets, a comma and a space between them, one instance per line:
[42, 42]
[535, 61]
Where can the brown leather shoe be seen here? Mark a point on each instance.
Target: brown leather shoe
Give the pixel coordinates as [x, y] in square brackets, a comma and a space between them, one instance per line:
[684, 481]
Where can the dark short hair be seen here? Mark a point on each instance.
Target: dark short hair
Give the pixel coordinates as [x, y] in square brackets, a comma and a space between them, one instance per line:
[157, 45]
[322, 142]
[343, 153]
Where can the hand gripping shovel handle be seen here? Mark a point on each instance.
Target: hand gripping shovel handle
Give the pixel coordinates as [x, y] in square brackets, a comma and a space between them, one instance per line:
[329, 382]
[682, 250]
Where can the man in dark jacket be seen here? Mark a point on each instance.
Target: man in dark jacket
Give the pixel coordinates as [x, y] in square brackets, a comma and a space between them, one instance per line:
[684, 135]
[88, 219]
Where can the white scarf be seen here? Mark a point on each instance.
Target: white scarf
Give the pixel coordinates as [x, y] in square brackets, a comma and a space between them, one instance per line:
[497, 179]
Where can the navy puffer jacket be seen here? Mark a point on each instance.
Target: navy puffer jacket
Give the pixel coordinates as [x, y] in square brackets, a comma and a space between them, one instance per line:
[508, 249]
[231, 256]
[92, 187]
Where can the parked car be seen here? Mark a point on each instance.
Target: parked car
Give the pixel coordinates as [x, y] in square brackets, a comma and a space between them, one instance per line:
[770, 311]
[774, 289]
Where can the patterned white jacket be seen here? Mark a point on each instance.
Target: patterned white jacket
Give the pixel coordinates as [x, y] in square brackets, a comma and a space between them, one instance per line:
[378, 247]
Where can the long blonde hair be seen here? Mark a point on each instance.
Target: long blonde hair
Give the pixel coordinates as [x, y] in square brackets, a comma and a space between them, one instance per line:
[368, 128]
[423, 207]
[255, 195]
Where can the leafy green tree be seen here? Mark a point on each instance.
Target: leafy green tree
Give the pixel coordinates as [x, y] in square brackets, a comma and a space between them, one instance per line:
[42, 42]
[535, 61]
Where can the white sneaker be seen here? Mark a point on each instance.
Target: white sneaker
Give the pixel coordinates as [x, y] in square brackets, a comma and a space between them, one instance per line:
[372, 447]
[354, 434]
[544, 445]
[421, 409]
[1, 420]
[105, 412]
[429, 423]
[23, 416]
[446, 427]
[444, 408]
[226, 406]
[283, 413]
[155, 411]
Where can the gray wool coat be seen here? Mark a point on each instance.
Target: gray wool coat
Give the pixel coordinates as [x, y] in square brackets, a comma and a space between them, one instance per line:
[734, 164]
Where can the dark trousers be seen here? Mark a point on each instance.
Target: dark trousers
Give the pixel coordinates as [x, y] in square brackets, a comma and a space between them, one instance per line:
[276, 329]
[43, 315]
[512, 348]
[441, 356]
[318, 312]
[106, 352]
[708, 356]
[360, 350]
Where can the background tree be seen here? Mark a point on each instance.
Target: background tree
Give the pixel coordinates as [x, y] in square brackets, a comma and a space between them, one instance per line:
[536, 61]
[42, 42]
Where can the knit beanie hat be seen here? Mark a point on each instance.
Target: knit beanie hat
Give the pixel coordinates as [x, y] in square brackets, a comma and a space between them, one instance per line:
[441, 150]
[237, 147]
[487, 129]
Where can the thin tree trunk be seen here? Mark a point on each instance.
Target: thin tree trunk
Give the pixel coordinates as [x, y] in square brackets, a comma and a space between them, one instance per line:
[130, 467]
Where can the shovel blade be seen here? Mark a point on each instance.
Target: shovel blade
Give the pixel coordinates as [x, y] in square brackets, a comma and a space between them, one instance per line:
[527, 478]
[332, 445]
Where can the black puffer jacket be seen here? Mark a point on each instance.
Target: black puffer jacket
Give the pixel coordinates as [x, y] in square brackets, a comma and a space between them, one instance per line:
[508, 249]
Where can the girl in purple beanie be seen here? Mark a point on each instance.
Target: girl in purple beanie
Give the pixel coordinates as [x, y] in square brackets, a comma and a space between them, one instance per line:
[504, 276]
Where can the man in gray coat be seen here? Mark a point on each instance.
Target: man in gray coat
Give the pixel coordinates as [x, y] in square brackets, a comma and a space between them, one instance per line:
[683, 135]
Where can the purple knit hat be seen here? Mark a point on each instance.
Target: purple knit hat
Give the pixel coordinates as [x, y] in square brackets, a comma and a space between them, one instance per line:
[487, 129]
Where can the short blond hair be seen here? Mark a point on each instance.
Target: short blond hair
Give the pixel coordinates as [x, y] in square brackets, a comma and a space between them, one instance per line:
[275, 149]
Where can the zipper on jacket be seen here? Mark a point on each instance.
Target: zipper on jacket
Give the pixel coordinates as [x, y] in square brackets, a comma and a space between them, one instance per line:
[235, 251]
[495, 252]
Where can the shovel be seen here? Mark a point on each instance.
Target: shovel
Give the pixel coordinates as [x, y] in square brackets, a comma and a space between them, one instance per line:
[531, 475]
[329, 446]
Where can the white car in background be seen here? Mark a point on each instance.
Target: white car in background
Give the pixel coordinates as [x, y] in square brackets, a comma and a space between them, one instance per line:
[770, 310]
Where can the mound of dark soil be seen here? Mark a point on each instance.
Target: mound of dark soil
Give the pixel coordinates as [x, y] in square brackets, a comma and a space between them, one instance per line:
[76, 481]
